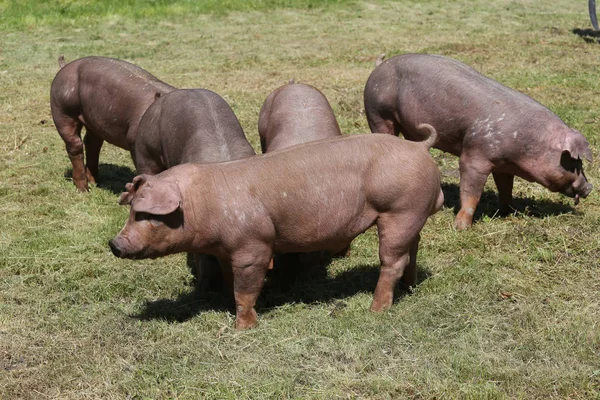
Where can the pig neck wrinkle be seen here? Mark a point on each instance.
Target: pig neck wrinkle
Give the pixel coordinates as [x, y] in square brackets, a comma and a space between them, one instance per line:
[200, 219]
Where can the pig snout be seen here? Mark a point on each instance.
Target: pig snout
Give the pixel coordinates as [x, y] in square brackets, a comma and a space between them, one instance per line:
[587, 189]
[579, 191]
[114, 247]
[122, 247]
[584, 193]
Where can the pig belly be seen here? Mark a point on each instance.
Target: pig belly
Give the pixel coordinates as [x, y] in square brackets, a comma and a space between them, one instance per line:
[323, 230]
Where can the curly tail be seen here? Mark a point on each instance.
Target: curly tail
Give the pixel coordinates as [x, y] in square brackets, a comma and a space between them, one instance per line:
[430, 141]
[380, 59]
[61, 61]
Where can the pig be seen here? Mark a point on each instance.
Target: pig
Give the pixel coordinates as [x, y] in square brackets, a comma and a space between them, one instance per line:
[293, 114]
[108, 97]
[314, 196]
[492, 128]
[190, 125]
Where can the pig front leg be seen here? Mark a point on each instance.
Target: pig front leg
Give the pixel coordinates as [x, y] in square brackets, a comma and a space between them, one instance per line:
[93, 144]
[207, 273]
[473, 175]
[504, 183]
[395, 248]
[248, 279]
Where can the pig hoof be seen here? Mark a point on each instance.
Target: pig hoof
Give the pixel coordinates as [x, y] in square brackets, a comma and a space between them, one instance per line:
[246, 321]
[461, 223]
[461, 226]
[379, 306]
[82, 187]
[242, 324]
[505, 210]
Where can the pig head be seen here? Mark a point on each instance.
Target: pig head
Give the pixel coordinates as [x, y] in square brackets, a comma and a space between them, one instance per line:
[492, 128]
[155, 224]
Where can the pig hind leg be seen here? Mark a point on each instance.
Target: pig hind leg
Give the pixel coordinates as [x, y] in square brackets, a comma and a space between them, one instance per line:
[409, 278]
[397, 245]
[93, 144]
[379, 123]
[473, 176]
[146, 161]
[69, 130]
[504, 183]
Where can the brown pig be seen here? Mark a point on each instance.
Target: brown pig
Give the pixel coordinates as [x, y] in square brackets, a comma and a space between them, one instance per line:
[314, 196]
[293, 114]
[492, 128]
[190, 125]
[108, 97]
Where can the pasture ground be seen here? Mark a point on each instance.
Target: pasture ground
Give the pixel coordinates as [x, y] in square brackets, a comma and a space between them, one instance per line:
[507, 309]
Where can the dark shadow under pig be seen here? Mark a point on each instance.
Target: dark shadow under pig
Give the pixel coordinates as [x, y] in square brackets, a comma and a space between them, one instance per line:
[190, 125]
[293, 114]
[492, 128]
[108, 97]
[314, 196]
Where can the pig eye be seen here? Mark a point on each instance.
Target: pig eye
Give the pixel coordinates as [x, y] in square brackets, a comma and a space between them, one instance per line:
[153, 219]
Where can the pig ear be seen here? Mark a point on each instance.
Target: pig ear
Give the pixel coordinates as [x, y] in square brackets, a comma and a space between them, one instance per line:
[131, 188]
[577, 146]
[157, 198]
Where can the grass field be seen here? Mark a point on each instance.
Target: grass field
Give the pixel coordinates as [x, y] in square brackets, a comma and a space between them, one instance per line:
[507, 309]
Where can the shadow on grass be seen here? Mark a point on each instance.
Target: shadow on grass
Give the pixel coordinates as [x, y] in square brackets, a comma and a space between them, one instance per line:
[309, 290]
[589, 35]
[488, 205]
[112, 177]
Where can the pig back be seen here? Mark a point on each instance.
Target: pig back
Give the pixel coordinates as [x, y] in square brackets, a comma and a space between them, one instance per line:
[446, 94]
[327, 191]
[190, 125]
[294, 114]
[108, 95]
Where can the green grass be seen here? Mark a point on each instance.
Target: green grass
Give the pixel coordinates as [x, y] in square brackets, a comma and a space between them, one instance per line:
[72, 12]
[508, 309]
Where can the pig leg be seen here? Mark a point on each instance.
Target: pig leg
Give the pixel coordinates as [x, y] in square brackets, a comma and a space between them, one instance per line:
[145, 162]
[378, 124]
[248, 280]
[394, 253]
[409, 278]
[93, 144]
[473, 175]
[69, 130]
[504, 183]
[207, 272]
[227, 276]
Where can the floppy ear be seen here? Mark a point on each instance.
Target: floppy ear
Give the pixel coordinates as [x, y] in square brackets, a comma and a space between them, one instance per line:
[131, 188]
[577, 146]
[157, 198]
